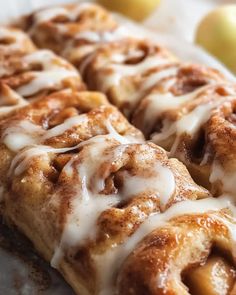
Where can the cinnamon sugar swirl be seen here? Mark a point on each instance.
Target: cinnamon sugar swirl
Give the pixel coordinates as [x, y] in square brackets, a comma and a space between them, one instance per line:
[27, 73]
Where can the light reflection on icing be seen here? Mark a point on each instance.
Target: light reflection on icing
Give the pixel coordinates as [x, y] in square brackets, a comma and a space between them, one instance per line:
[22, 135]
[135, 185]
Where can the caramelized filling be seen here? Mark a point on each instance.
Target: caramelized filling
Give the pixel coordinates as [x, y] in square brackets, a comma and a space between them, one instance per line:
[140, 54]
[215, 277]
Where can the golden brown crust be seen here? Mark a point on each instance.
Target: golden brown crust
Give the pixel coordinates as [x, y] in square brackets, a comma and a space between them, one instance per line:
[121, 68]
[157, 266]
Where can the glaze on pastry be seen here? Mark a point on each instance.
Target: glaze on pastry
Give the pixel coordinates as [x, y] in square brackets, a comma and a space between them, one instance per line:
[72, 30]
[27, 73]
[78, 180]
[182, 107]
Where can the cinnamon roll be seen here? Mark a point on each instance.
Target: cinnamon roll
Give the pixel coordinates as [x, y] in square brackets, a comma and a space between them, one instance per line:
[24, 78]
[79, 181]
[71, 30]
[198, 127]
[126, 70]
[38, 74]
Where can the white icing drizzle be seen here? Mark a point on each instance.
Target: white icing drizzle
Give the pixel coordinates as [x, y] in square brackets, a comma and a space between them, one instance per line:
[11, 101]
[114, 134]
[111, 260]
[16, 38]
[103, 36]
[119, 71]
[23, 134]
[189, 123]
[65, 126]
[221, 175]
[48, 14]
[93, 40]
[23, 159]
[159, 75]
[163, 182]
[55, 71]
[81, 223]
[160, 103]
[88, 204]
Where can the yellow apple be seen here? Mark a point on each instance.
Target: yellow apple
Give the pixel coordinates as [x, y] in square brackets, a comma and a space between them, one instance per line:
[135, 9]
[217, 34]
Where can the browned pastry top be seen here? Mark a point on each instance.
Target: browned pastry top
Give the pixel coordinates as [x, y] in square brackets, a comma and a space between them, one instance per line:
[197, 127]
[183, 80]
[191, 254]
[39, 73]
[33, 75]
[52, 27]
[14, 42]
[126, 70]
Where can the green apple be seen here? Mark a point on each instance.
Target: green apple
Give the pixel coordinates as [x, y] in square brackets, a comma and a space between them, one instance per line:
[135, 9]
[217, 34]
